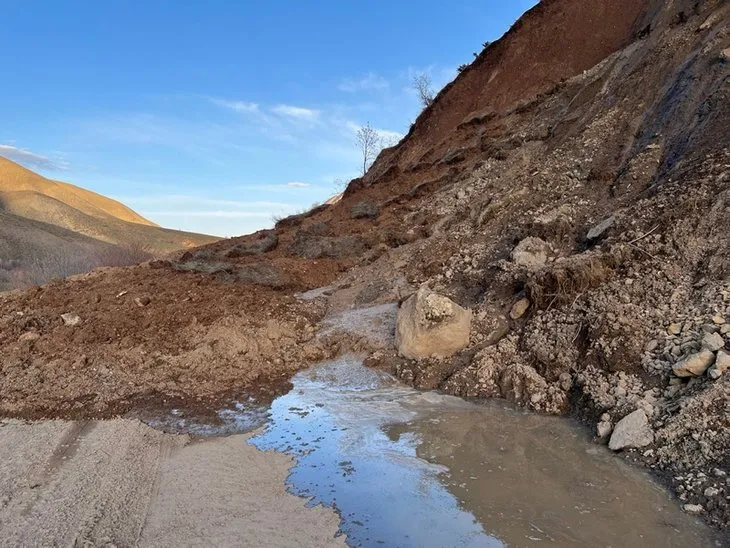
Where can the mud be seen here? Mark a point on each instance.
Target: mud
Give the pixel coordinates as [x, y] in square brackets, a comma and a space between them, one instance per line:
[121, 483]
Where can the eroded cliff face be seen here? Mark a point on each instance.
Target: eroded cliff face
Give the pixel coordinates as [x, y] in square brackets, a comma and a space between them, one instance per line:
[598, 130]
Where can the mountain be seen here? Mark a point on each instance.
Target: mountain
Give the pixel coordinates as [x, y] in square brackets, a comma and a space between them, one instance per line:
[571, 188]
[50, 229]
[26, 194]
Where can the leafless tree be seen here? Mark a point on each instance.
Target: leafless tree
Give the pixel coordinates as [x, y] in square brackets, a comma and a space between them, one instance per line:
[422, 84]
[369, 143]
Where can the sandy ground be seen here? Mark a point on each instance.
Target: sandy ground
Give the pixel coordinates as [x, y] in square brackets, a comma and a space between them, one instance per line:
[121, 483]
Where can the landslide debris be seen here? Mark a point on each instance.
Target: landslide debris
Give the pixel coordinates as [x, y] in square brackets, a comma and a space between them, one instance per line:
[571, 189]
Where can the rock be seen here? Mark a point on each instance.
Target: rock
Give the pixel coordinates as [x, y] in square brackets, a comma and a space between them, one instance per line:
[652, 345]
[713, 342]
[30, 336]
[519, 309]
[694, 365]
[70, 319]
[725, 329]
[631, 431]
[531, 252]
[718, 320]
[142, 301]
[675, 329]
[522, 383]
[693, 508]
[430, 324]
[725, 55]
[711, 492]
[601, 228]
[722, 364]
[364, 210]
[603, 429]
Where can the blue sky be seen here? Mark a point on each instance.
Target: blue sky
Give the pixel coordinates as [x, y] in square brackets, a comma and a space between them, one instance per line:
[214, 116]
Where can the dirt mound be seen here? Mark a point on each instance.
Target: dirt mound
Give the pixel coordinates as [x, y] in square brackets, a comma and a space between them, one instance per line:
[599, 132]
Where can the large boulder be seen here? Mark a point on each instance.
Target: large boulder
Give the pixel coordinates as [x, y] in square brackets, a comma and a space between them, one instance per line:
[430, 324]
[632, 431]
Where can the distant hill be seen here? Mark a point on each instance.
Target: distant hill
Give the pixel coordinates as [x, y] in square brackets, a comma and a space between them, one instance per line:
[51, 229]
[26, 194]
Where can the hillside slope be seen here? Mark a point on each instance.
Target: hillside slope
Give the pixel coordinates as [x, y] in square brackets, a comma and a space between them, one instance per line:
[16, 178]
[32, 252]
[27, 194]
[592, 139]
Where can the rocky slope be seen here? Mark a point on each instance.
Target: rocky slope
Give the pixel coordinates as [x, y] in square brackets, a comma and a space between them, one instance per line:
[571, 189]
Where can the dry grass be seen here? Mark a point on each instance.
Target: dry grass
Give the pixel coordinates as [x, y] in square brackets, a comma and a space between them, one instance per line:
[561, 282]
[24, 274]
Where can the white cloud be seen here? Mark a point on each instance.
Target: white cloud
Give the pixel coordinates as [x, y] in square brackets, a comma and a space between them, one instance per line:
[238, 106]
[297, 184]
[31, 159]
[369, 82]
[296, 113]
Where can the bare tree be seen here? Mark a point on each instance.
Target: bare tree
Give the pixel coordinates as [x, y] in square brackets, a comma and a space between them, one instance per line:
[422, 84]
[369, 142]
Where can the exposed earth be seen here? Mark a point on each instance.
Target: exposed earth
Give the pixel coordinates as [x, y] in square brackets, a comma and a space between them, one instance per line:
[571, 189]
[125, 484]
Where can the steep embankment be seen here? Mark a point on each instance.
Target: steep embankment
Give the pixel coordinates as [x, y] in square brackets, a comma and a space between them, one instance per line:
[580, 167]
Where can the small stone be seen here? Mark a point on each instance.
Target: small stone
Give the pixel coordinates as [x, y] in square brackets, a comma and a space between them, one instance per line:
[693, 508]
[30, 336]
[603, 429]
[713, 342]
[601, 228]
[631, 431]
[718, 320]
[675, 329]
[725, 329]
[70, 319]
[719, 473]
[142, 301]
[519, 309]
[652, 346]
[711, 492]
[695, 365]
[722, 364]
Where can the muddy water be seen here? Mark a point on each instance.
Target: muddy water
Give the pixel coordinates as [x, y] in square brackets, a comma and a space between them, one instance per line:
[406, 468]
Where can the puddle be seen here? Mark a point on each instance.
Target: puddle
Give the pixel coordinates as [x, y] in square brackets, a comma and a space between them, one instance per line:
[408, 468]
[237, 418]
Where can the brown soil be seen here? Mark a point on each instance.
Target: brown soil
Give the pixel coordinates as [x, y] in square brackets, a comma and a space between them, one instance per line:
[579, 113]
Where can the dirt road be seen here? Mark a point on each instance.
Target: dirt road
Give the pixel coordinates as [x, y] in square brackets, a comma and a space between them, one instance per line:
[121, 483]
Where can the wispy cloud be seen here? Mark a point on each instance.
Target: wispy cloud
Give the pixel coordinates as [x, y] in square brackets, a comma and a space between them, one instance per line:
[369, 82]
[297, 184]
[238, 106]
[296, 113]
[31, 159]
